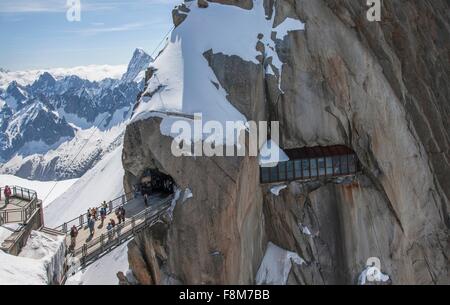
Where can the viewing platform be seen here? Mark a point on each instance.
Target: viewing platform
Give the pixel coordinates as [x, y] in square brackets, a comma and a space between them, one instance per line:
[312, 163]
[22, 204]
[24, 212]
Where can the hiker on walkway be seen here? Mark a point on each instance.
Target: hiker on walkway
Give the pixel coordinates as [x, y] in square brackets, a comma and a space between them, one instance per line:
[135, 190]
[91, 225]
[102, 215]
[95, 211]
[146, 199]
[90, 213]
[117, 212]
[113, 223]
[122, 214]
[104, 205]
[7, 193]
[73, 237]
[110, 228]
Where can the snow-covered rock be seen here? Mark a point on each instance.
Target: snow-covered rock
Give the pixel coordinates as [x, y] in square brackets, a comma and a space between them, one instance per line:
[372, 275]
[277, 189]
[48, 249]
[33, 123]
[40, 262]
[187, 80]
[137, 66]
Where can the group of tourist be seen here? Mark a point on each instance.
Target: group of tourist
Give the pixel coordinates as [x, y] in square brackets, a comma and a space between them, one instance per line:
[93, 215]
[7, 192]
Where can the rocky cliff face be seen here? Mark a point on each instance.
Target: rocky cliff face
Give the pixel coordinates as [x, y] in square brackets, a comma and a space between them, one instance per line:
[380, 88]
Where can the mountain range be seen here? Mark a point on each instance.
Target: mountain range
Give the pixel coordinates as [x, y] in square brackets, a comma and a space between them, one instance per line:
[46, 123]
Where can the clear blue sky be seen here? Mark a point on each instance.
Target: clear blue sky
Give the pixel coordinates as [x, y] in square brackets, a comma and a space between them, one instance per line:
[35, 34]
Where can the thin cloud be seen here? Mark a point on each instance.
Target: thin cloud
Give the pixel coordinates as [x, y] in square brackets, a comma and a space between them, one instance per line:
[31, 6]
[51, 6]
[57, 6]
[120, 28]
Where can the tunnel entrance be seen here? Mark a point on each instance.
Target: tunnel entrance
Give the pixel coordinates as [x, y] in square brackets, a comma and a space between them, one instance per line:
[153, 181]
[312, 163]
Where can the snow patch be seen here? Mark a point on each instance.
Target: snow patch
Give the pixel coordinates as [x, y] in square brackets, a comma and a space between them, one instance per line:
[305, 230]
[40, 147]
[4, 234]
[187, 194]
[16, 270]
[48, 249]
[184, 74]
[288, 25]
[174, 203]
[372, 274]
[42, 188]
[277, 189]
[276, 265]
[103, 182]
[39, 263]
[104, 271]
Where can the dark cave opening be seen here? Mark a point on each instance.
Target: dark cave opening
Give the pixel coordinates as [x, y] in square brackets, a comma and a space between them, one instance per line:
[154, 181]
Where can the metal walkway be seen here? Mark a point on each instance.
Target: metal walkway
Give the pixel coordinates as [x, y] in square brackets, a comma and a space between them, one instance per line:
[102, 240]
[138, 217]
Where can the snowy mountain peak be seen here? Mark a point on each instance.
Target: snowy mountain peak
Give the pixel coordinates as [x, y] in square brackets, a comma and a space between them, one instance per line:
[46, 80]
[139, 52]
[34, 124]
[137, 66]
[17, 94]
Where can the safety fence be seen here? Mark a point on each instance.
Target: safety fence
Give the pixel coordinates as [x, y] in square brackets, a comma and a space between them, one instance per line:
[111, 206]
[19, 214]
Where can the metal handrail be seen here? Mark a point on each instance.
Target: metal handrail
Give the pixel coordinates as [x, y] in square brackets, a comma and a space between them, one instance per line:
[81, 220]
[20, 192]
[26, 212]
[123, 231]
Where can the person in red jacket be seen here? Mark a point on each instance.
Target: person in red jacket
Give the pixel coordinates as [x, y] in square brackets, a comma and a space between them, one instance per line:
[7, 193]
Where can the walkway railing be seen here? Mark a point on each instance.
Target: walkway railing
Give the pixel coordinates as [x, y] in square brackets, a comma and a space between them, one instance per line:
[122, 232]
[23, 214]
[81, 220]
